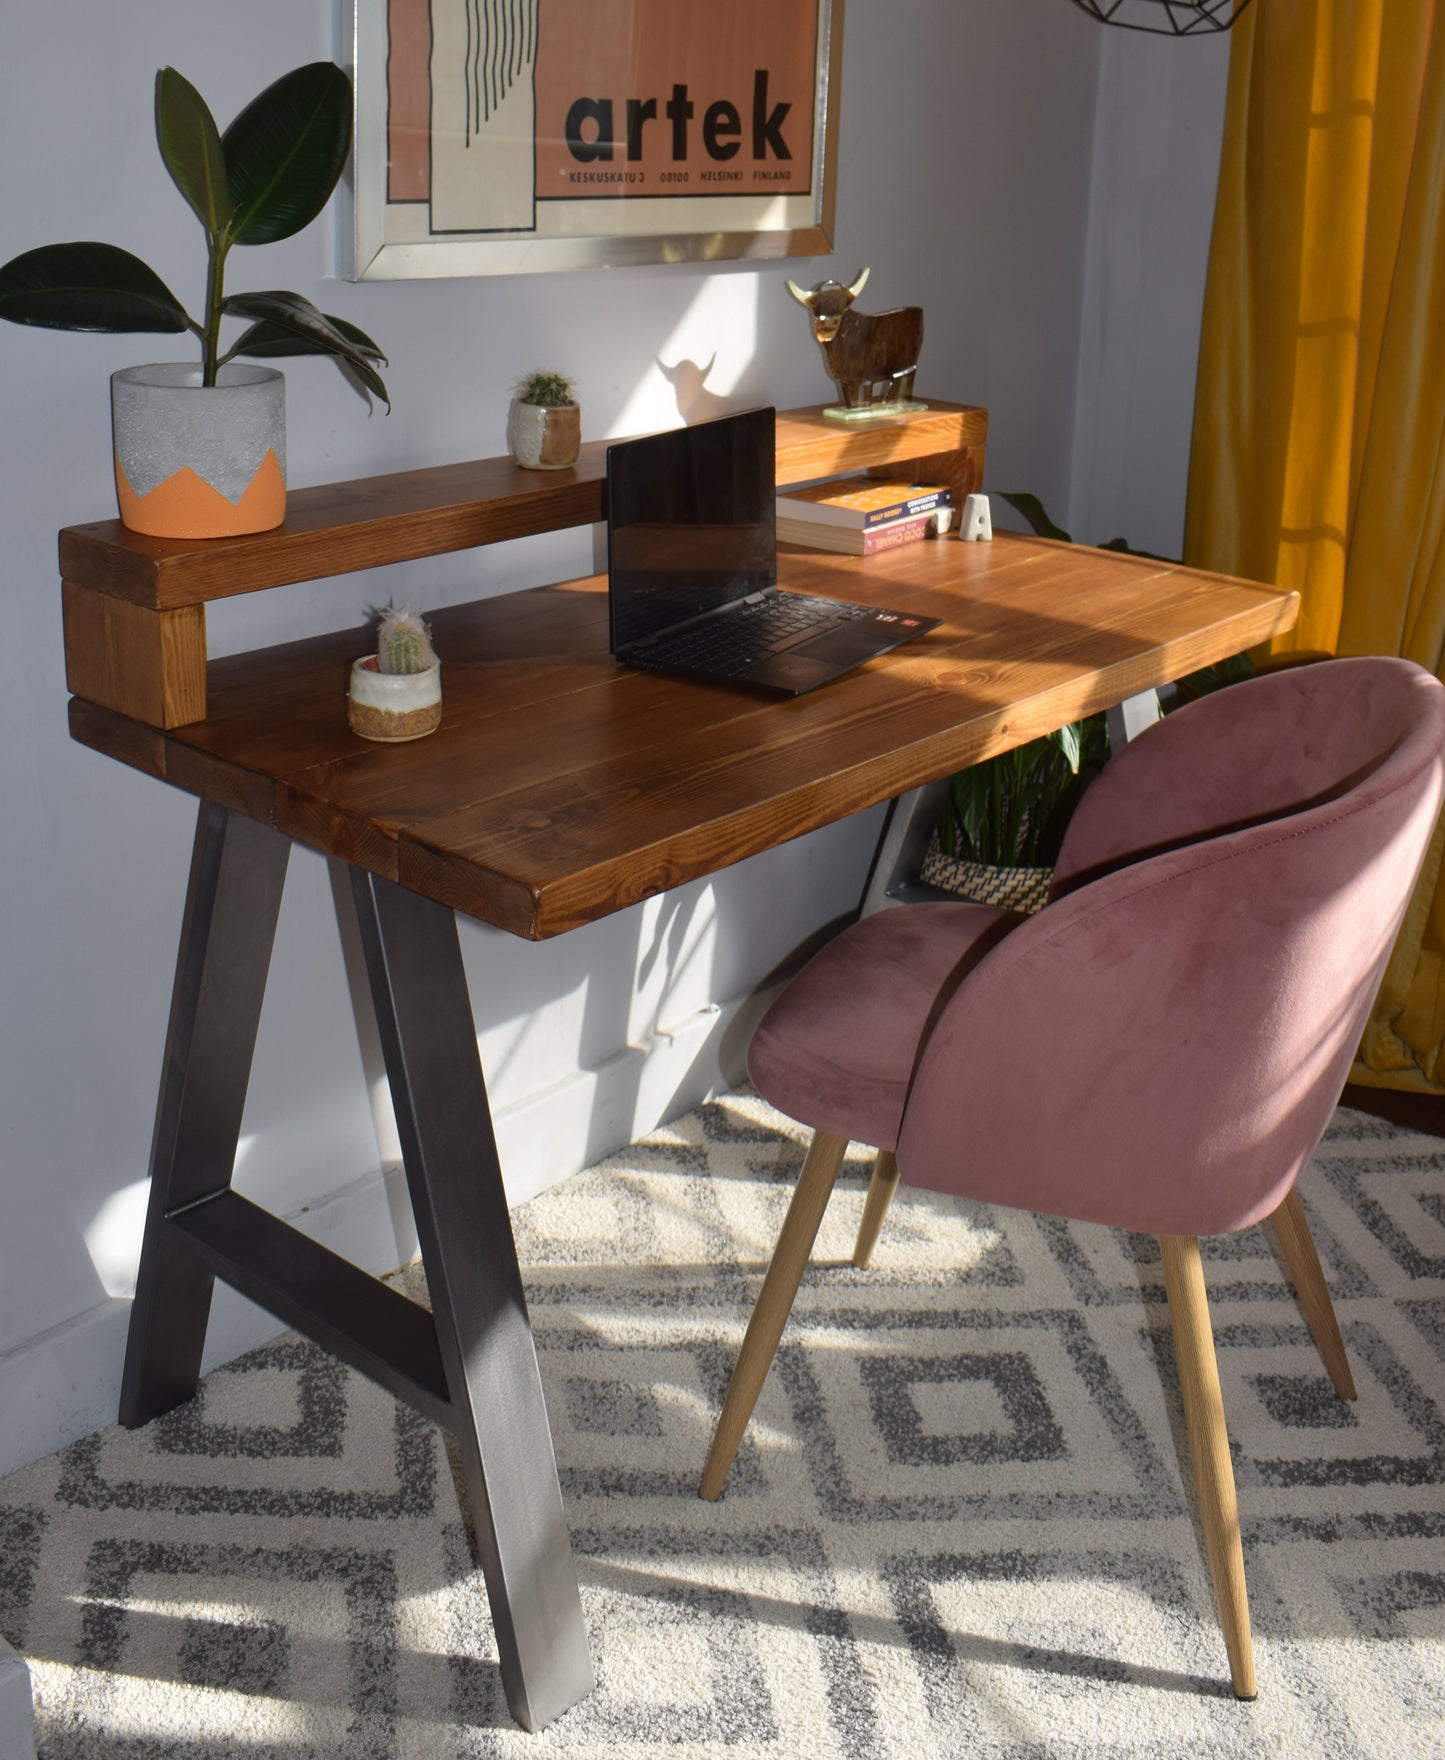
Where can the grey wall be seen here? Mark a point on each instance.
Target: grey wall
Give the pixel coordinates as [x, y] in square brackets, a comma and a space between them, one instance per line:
[1155, 169]
[968, 155]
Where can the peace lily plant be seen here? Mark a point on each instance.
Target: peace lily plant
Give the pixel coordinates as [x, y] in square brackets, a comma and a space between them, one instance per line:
[1010, 812]
[266, 177]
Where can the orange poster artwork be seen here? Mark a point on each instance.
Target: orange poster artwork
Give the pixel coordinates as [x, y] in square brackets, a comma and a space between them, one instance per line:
[566, 132]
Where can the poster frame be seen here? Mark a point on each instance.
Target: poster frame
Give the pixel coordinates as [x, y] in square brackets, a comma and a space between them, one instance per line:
[743, 226]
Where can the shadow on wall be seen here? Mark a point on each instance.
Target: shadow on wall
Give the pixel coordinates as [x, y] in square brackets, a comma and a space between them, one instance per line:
[695, 403]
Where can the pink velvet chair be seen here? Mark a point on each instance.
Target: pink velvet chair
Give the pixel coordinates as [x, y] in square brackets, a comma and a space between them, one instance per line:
[1160, 1048]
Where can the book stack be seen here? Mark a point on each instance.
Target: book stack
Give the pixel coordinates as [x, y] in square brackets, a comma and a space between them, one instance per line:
[859, 516]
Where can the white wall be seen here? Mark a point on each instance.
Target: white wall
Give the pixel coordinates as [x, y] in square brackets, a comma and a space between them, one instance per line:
[964, 177]
[1155, 171]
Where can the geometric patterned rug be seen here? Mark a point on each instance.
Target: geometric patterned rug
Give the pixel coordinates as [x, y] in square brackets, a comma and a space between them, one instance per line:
[961, 1522]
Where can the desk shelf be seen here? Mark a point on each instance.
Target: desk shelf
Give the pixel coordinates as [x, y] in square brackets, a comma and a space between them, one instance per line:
[135, 630]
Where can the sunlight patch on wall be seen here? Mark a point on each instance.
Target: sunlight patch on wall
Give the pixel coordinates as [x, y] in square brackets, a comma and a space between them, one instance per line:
[113, 1238]
[113, 1235]
[699, 363]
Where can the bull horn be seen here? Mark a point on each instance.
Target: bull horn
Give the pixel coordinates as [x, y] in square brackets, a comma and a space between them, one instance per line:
[857, 286]
[797, 293]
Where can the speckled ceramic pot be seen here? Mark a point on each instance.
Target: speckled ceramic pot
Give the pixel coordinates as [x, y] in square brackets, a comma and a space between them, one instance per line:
[542, 438]
[194, 461]
[393, 706]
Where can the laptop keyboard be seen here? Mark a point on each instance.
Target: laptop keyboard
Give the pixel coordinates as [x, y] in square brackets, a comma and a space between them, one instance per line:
[728, 646]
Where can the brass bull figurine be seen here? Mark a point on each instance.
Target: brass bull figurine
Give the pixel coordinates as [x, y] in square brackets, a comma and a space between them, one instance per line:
[870, 356]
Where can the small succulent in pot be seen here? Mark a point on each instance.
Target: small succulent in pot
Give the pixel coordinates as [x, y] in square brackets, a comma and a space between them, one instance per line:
[544, 423]
[396, 693]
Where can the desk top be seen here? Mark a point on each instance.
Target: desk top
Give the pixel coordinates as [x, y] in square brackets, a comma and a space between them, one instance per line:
[561, 787]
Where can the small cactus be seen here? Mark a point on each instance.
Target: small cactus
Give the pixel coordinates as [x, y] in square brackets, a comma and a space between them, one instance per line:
[402, 641]
[550, 390]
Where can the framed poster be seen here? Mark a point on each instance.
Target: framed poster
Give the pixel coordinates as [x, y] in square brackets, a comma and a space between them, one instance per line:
[509, 136]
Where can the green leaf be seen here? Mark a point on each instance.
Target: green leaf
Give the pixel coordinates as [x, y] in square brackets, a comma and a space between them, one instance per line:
[297, 317]
[265, 339]
[87, 286]
[971, 799]
[286, 151]
[190, 144]
[1032, 509]
[1068, 740]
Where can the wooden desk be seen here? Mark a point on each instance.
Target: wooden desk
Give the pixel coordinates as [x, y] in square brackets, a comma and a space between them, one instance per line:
[559, 788]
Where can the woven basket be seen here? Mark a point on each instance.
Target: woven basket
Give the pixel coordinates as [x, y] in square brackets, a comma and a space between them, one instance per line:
[1010, 889]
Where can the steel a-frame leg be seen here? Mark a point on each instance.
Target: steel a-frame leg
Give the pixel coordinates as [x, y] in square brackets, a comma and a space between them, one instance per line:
[238, 868]
[470, 1363]
[429, 1041]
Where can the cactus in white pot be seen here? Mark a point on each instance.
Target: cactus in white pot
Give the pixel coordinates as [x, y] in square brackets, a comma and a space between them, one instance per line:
[396, 693]
[544, 422]
[403, 642]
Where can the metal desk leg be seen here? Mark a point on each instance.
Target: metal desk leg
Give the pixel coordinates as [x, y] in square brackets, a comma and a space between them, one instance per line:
[428, 1037]
[902, 844]
[238, 868]
[1127, 720]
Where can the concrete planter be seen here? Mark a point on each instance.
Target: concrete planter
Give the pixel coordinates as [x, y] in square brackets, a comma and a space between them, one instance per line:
[542, 438]
[194, 461]
[393, 706]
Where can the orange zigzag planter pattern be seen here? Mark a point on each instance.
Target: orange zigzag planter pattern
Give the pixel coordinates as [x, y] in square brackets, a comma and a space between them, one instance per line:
[184, 506]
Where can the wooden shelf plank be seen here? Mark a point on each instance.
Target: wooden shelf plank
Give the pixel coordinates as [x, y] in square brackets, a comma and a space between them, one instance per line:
[339, 527]
[810, 446]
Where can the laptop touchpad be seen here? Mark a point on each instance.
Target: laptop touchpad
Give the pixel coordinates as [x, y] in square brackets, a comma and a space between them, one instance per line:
[844, 644]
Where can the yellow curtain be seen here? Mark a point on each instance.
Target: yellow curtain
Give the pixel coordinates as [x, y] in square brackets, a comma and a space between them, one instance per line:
[1319, 427]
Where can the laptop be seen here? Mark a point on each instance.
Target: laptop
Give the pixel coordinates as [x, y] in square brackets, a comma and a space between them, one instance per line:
[692, 567]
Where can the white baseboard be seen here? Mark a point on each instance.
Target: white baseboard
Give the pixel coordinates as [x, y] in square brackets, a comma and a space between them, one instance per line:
[65, 1383]
[17, 1726]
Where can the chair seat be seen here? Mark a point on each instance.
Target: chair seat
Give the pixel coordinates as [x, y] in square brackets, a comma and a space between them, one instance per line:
[837, 1049]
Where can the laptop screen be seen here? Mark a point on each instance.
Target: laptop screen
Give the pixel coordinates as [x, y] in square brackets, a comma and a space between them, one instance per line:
[691, 522]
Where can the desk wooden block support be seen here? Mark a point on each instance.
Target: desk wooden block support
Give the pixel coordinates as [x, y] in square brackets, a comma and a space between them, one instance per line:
[149, 665]
[135, 631]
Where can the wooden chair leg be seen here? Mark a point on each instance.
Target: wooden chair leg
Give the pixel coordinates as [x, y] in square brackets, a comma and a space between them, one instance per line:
[881, 1189]
[1209, 1447]
[1292, 1231]
[775, 1303]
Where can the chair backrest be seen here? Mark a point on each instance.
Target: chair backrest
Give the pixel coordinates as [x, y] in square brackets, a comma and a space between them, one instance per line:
[1162, 1046]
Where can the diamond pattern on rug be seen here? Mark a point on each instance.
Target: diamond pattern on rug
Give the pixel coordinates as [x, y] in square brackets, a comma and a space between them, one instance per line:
[961, 1521]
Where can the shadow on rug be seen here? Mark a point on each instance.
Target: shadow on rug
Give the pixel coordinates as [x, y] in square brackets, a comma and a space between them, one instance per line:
[961, 1522]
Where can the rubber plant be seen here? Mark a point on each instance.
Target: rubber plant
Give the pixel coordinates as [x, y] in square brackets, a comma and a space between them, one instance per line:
[1011, 811]
[266, 177]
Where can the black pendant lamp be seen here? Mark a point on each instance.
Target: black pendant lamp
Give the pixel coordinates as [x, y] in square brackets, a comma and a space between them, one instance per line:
[1170, 18]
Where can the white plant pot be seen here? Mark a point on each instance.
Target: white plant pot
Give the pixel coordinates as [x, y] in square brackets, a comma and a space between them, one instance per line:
[199, 461]
[544, 439]
[393, 706]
